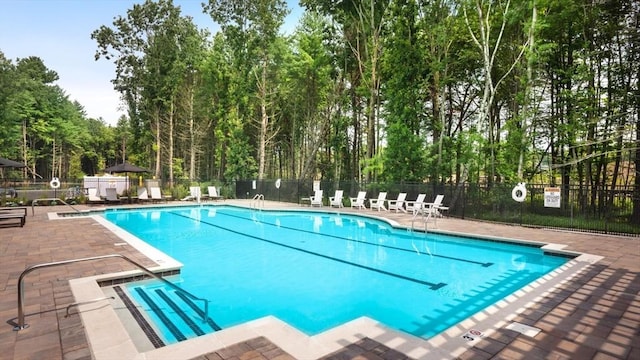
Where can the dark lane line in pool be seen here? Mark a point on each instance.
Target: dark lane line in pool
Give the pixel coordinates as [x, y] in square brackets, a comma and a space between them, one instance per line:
[360, 241]
[161, 315]
[432, 286]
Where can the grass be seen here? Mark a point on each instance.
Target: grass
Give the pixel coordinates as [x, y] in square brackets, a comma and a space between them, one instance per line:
[581, 223]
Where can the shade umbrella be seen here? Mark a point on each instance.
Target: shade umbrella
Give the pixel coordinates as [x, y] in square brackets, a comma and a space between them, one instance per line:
[6, 163]
[125, 167]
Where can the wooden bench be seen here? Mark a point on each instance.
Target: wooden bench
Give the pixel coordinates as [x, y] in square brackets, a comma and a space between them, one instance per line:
[14, 213]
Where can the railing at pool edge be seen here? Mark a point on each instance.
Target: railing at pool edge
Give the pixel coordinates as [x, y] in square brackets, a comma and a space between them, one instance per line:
[425, 215]
[257, 200]
[425, 218]
[21, 325]
[35, 201]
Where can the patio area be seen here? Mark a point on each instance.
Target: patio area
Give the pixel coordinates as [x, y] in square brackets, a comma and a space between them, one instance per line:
[596, 316]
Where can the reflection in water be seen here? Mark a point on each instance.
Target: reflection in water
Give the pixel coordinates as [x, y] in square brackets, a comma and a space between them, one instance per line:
[519, 262]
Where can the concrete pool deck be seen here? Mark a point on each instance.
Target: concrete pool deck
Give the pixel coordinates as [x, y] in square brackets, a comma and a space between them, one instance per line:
[594, 316]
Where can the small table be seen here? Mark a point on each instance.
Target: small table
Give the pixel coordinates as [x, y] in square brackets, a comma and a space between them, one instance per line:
[305, 200]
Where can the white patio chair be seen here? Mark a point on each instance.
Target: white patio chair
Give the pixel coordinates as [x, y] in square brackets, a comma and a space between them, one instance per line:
[316, 199]
[398, 204]
[416, 205]
[336, 199]
[359, 201]
[379, 202]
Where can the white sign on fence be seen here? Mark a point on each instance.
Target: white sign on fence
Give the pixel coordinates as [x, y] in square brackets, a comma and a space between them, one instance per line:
[552, 197]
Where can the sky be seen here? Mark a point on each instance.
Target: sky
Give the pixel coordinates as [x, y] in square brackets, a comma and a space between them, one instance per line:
[59, 32]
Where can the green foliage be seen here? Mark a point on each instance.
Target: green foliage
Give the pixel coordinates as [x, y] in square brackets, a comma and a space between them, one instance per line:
[9, 121]
[178, 169]
[240, 162]
[399, 89]
[404, 157]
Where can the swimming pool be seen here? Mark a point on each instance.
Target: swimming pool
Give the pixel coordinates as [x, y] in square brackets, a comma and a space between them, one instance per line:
[318, 270]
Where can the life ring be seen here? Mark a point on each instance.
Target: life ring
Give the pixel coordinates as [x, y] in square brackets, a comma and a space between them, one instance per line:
[54, 183]
[519, 192]
[278, 182]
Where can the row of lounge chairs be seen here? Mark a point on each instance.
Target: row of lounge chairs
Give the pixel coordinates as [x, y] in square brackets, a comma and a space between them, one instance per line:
[152, 194]
[399, 204]
[196, 194]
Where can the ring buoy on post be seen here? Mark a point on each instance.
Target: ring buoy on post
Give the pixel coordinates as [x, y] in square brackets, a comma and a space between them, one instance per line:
[519, 192]
[54, 183]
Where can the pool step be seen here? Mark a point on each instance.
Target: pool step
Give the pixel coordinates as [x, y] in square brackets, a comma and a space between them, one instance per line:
[176, 316]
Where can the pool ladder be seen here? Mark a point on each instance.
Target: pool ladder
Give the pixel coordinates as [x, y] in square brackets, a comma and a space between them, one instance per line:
[21, 325]
[423, 216]
[257, 201]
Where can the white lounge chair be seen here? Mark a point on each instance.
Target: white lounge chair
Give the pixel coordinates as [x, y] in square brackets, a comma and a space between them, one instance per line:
[156, 194]
[359, 201]
[194, 194]
[336, 199]
[316, 199]
[379, 202]
[112, 196]
[398, 204]
[212, 193]
[93, 197]
[416, 206]
[143, 195]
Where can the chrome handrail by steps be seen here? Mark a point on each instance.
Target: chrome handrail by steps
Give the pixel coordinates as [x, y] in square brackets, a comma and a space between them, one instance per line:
[21, 325]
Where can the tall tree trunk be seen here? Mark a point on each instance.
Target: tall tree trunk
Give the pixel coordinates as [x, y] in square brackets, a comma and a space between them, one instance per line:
[192, 137]
[264, 120]
[171, 140]
[158, 146]
[24, 150]
[54, 158]
[528, 111]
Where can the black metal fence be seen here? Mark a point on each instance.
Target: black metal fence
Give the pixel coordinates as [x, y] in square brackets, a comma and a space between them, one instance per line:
[598, 210]
[592, 209]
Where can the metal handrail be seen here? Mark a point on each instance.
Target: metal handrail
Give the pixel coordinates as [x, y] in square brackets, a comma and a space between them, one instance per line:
[425, 218]
[35, 201]
[428, 212]
[21, 325]
[256, 199]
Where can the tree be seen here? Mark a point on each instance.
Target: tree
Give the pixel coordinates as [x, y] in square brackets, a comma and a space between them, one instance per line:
[254, 25]
[403, 72]
[151, 47]
[308, 102]
[9, 121]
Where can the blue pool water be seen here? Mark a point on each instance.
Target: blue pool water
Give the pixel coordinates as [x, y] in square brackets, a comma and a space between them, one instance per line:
[318, 270]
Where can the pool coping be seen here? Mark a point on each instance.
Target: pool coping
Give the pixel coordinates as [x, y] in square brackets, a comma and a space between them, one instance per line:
[107, 335]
